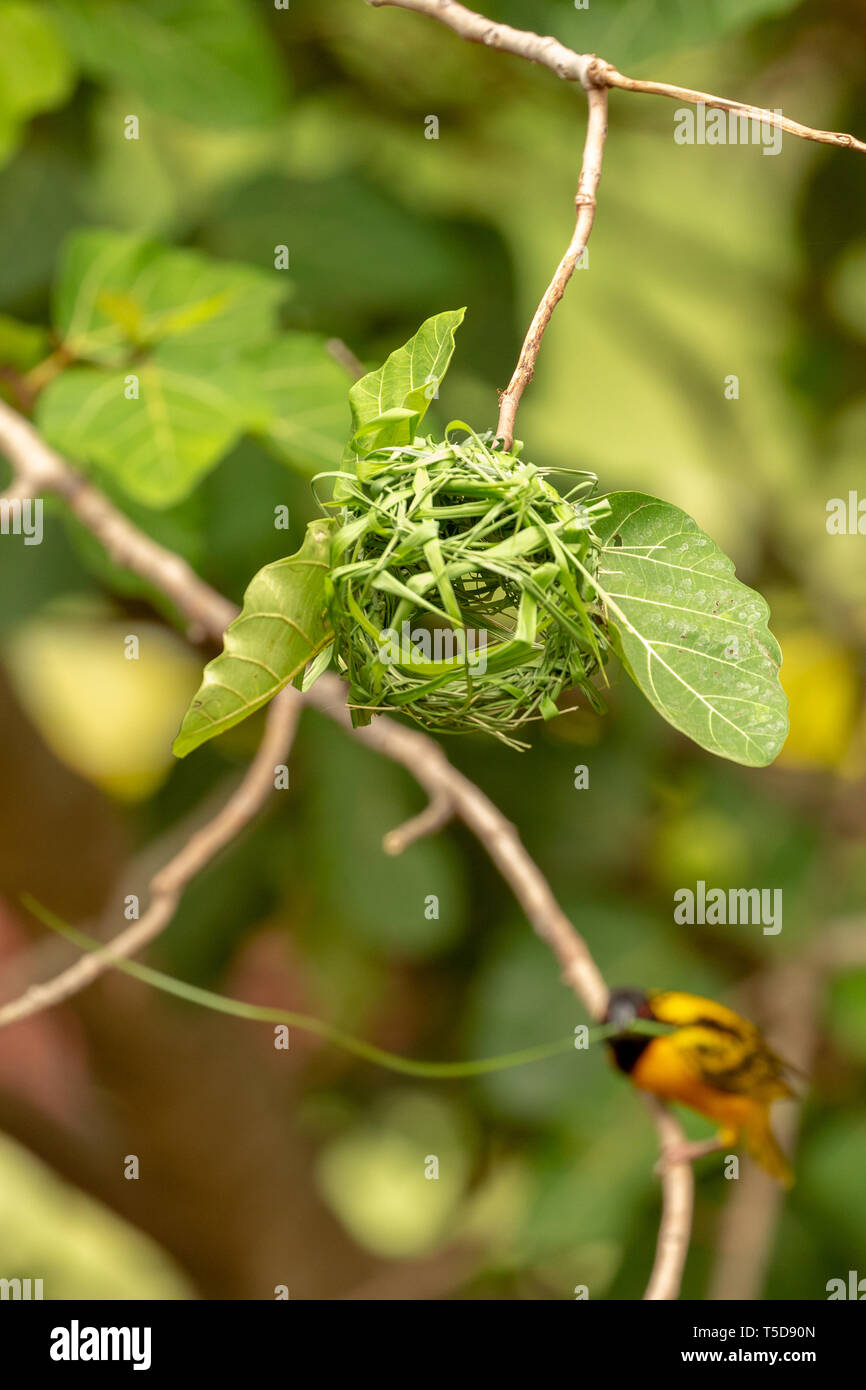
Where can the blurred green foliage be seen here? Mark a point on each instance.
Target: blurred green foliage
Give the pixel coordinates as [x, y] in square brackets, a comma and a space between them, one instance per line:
[260, 127]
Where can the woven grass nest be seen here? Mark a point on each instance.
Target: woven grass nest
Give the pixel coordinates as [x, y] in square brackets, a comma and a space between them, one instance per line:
[459, 589]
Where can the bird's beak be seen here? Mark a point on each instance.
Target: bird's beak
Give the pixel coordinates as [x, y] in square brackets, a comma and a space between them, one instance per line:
[622, 1014]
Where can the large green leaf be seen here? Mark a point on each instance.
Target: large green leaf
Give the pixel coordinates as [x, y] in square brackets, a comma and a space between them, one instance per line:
[206, 61]
[694, 639]
[160, 443]
[116, 293]
[176, 335]
[36, 72]
[399, 393]
[281, 627]
[306, 393]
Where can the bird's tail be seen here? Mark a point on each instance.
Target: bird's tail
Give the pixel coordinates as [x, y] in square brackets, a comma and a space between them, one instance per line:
[761, 1144]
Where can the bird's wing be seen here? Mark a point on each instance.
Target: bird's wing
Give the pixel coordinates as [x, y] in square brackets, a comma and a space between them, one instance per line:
[721, 1047]
[735, 1061]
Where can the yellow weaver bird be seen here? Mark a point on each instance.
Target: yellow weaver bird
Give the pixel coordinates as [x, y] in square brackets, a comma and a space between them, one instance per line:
[713, 1061]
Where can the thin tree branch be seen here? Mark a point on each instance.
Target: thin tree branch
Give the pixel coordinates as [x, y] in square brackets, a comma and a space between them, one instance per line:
[585, 202]
[167, 886]
[590, 70]
[17, 491]
[678, 1196]
[608, 76]
[476, 28]
[345, 357]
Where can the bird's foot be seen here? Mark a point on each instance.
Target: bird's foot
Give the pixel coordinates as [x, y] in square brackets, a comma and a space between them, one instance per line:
[686, 1152]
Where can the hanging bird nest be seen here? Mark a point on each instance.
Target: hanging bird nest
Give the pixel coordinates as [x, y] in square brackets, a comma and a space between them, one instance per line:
[459, 590]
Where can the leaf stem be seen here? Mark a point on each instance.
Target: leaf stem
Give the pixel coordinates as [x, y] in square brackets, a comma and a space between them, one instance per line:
[368, 1052]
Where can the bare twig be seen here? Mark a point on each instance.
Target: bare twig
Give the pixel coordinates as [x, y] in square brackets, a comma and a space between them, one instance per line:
[608, 76]
[17, 491]
[475, 28]
[595, 75]
[585, 200]
[437, 812]
[590, 70]
[167, 886]
[345, 357]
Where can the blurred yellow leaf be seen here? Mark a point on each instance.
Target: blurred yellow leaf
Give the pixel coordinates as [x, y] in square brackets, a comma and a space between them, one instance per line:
[109, 716]
[79, 1249]
[821, 682]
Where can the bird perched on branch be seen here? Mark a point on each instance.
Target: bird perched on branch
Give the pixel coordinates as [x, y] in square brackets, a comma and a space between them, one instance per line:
[712, 1060]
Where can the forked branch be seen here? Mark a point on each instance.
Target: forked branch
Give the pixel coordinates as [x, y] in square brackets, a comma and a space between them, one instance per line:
[167, 886]
[590, 70]
[595, 75]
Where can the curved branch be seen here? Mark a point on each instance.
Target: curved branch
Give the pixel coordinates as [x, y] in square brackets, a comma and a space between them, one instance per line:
[167, 886]
[475, 28]
[585, 201]
[437, 813]
[38, 469]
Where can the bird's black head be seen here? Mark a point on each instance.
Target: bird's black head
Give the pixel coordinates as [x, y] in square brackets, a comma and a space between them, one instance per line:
[623, 1007]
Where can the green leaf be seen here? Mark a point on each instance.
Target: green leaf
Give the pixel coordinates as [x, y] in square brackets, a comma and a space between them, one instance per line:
[406, 383]
[117, 293]
[693, 638]
[307, 398]
[170, 330]
[36, 72]
[160, 443]
[281, 627]
[206, 61]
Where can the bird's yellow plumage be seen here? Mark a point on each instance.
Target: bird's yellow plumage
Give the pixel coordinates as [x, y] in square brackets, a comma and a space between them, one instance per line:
[713, 1061]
